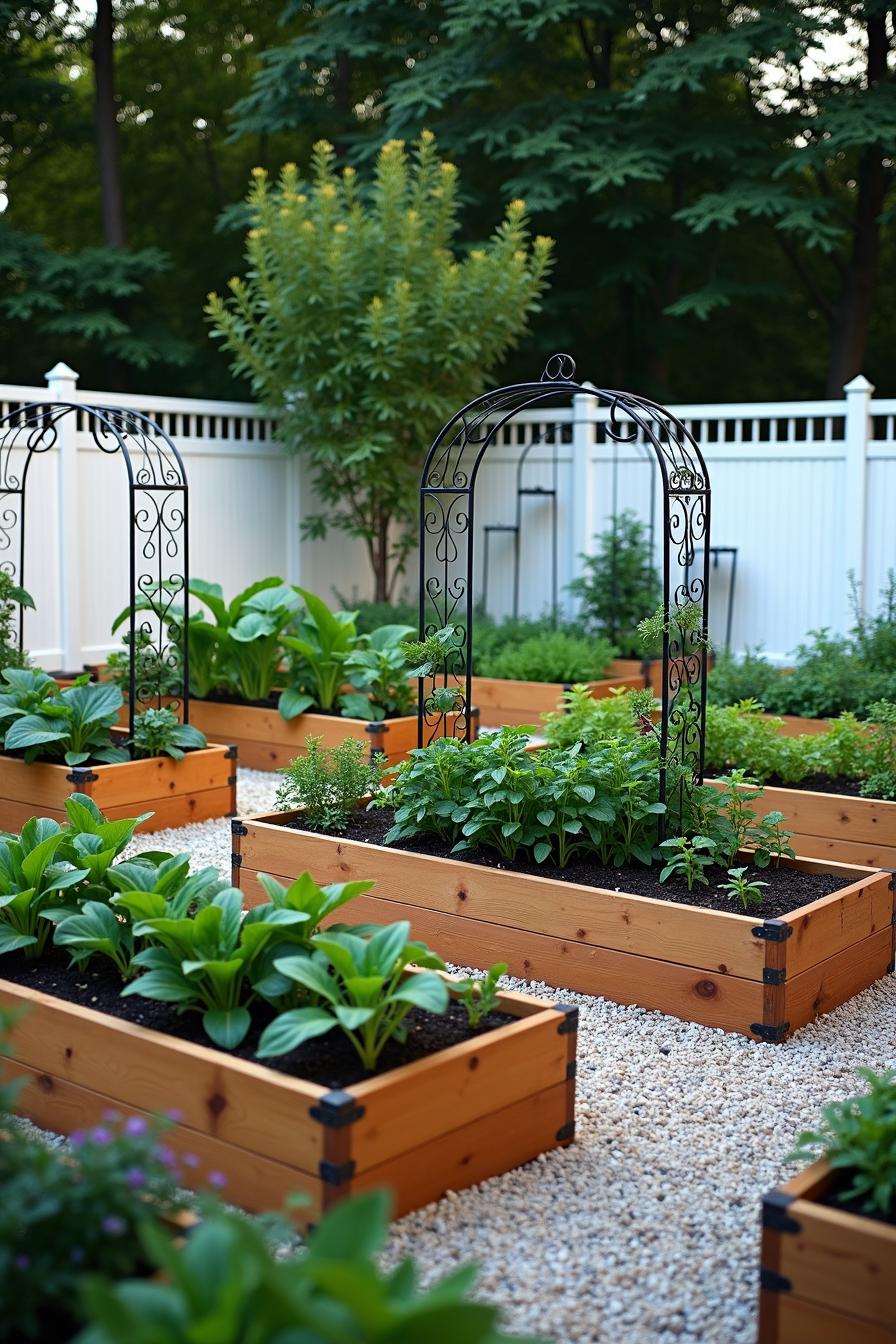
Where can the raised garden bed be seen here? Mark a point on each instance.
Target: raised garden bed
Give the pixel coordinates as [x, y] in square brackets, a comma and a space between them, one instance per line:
[827, 1274]
[452, 1119]
[762, 977]
[201, 786]
[523, 702]
[267, 741]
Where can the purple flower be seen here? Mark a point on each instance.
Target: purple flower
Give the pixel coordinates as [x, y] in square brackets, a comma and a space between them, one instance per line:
[76, 1138]
[190, 1160]
[175, 1115]
[217, 1179]
[165, 1155]
[22, 1262]
[134, 1177]
[101, 1135]
[134, 1126]
[111, 1117]
[112, 1225]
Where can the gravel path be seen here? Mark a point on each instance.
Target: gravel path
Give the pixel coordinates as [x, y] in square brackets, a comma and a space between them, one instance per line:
[646, 1229]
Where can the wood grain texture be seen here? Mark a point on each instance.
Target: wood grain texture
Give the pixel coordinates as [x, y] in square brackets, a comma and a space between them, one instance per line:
[715, 941]
[267, 741]
[501, 701]
[824, 986]
[836, 922]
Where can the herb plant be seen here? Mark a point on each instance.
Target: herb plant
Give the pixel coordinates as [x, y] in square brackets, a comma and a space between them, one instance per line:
[73, 1211]
[881, 780]
[155, 673]
[480, 995]
[555, 655]
[334, 1292]
[159, 732]
[619, 583]
[328, 783]
[579, 718]
[688, 857]
[11, 597]
[369, 996]
[740, 888]
[858, 1138]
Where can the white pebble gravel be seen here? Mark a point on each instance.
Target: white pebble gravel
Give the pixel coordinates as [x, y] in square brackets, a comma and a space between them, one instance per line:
[646, 1229]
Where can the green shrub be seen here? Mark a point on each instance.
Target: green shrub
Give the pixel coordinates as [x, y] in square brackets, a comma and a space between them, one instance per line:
[11, 597]
[554, 655]
[580, 718]
[858, 1138]
[619, 584]
[328, 783]
[881, 770]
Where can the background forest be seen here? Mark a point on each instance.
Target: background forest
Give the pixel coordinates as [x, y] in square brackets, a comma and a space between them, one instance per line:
[718, 179]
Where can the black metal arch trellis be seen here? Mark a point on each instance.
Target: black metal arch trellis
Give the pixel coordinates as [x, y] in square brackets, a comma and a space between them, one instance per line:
[159, 549]
[447, 495]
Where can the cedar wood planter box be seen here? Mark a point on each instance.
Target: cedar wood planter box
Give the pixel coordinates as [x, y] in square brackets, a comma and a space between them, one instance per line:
[827, 1275]
[267, 741]
[474, 1110]
[764, 978]
[201, 786]
[522, 702]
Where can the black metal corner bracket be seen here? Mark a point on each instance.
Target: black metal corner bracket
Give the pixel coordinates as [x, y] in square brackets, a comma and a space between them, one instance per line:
[570, 1018]
[237, 827]
[772, 1034]
[376, 728]
[773, 931]
[773, 975]
[773, 1282]
[236, 860]
[571, 1069]
[774, 1212]
[81, 775]
[566, 1132]
[336, 1110]
[231, 752]
[336, 1173]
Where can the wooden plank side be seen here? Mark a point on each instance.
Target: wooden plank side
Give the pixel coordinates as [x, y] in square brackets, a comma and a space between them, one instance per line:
[834, 815]
[841, 1261]
[35, 785]
[870, 853]
[827, 984]
[501, 701]
[838, 921]
[413, 1105]
[801, 1322]
[231, 1099]
[177, 810]
[254, 1181]
[716, 941]
[486, 1147]
[725, 1001]
[160, 777]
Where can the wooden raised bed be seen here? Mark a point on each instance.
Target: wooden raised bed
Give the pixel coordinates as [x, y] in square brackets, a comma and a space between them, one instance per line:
[523, 702]
[267, 741]
[827, 1275]
[201, 786]
[764, 978]
[836, 826]
[451, 1120]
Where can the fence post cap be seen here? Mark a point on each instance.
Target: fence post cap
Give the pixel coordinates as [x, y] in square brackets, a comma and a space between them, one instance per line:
[858, 384]
[60, 371]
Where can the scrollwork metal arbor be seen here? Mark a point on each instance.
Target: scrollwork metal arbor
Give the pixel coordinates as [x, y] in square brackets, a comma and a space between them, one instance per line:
[159, 540]
[447, 594]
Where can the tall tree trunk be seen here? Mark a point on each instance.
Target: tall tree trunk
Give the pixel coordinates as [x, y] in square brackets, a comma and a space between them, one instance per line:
[108, 147]
[851, 317]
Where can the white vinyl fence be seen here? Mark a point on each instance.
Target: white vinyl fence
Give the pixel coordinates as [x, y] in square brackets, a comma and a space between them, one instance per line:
[805, 492]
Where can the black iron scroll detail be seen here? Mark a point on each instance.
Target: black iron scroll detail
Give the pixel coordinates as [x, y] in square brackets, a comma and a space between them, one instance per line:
[159, 527]
[447, 593]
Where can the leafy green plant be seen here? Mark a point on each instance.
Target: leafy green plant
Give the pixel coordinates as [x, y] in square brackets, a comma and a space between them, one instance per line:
[159, 732]
[349, 291]
[726, 813]
[438, 655]
[73, 1211]
[619, 583]
[334, 1292]
[857, 1137]
[580, 718]
[209, 961]
[556, 655]
[369, 996]
[741, 888]
[369, 616]
[328, 783]
[44, 722]
[12, 596]
[480, 995]
[881, 767]
[378, 672]
[158, 674]
[688, 857]
[32, 875]
[686, 620]
[320, 652]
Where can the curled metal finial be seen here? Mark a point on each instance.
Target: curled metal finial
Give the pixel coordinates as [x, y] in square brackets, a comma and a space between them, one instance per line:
[560, 368]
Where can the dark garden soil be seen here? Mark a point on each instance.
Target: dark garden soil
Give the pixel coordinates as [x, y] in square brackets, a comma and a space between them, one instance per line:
[832, 1200]
[852, 788]
[328, 1060]
[787, 890]
[218, 698]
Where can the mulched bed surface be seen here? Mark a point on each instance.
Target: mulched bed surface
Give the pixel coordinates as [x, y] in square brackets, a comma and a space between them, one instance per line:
[328, 1060]
[788, 889]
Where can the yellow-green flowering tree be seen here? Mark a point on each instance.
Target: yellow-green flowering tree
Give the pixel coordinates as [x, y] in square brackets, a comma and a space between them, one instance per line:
[361, 323]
